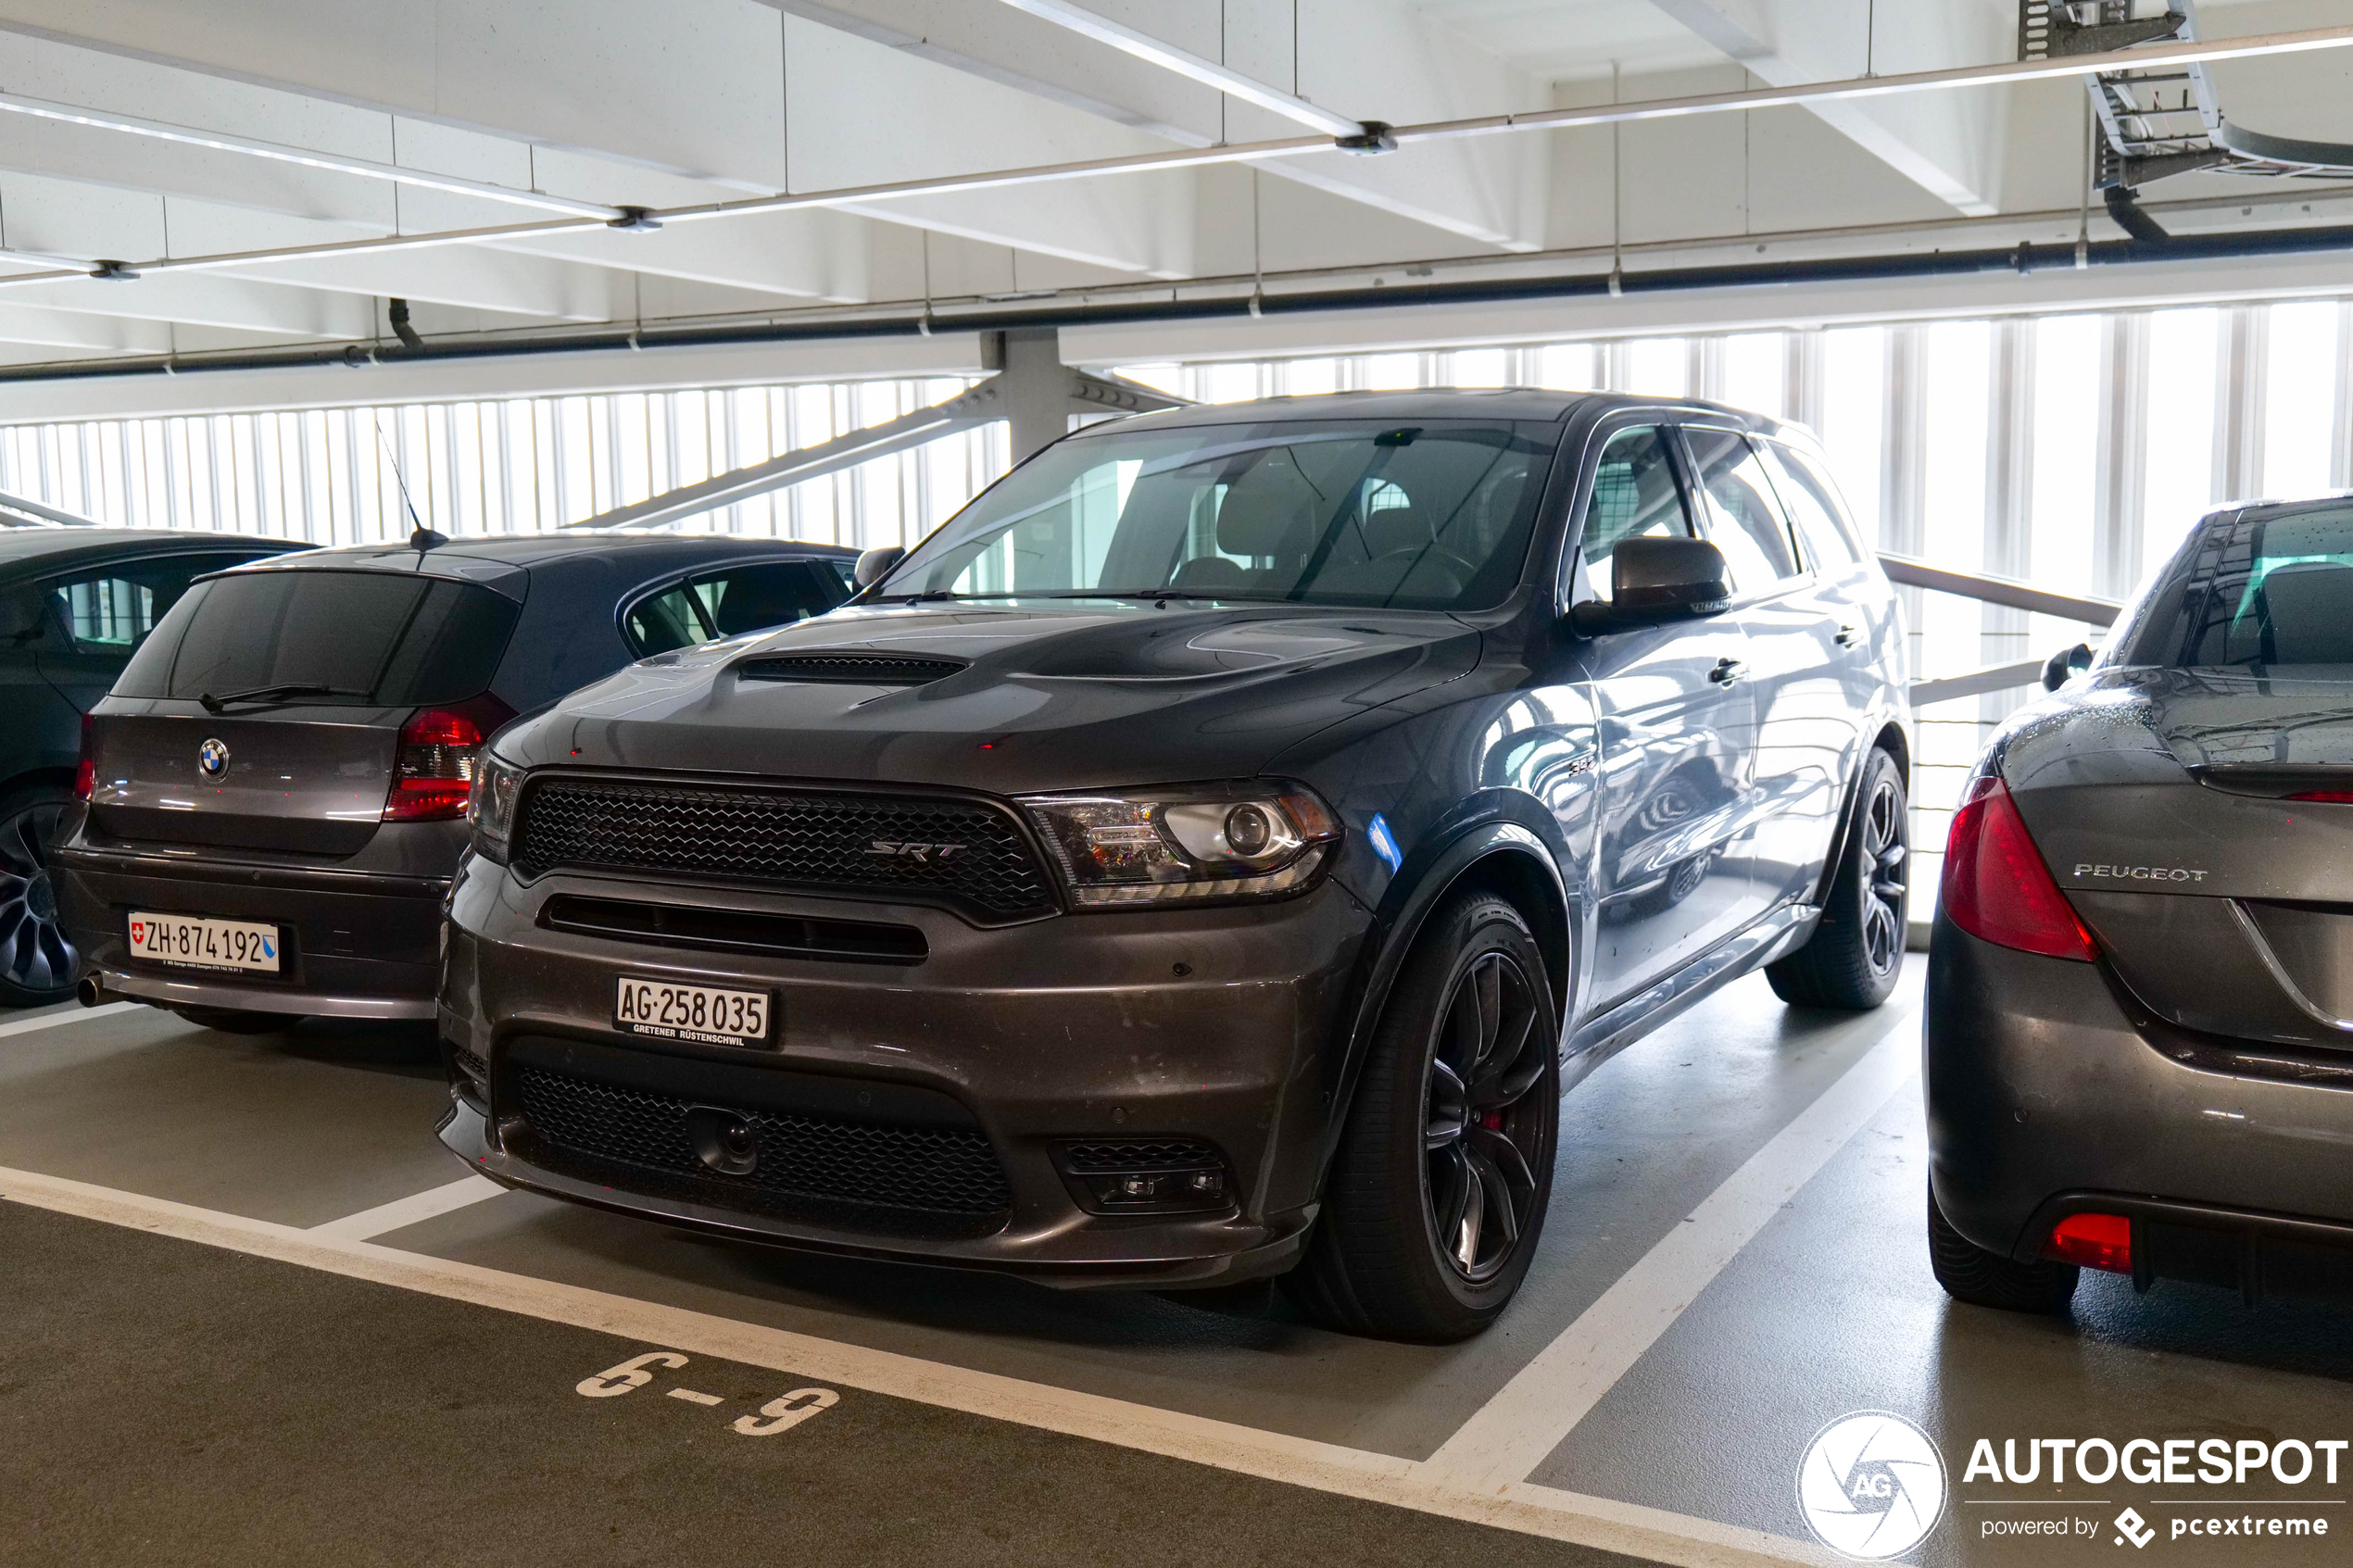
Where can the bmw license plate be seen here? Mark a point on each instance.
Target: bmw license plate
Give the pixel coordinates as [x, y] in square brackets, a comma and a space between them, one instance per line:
[200, 942]
[703, 1014]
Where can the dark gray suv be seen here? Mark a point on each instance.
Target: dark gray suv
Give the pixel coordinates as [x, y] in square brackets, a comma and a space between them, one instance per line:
[277, 786]
[1207, 857]
[2140, 1021]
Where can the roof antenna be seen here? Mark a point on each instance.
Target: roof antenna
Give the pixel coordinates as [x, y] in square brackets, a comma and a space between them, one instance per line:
[420, 538]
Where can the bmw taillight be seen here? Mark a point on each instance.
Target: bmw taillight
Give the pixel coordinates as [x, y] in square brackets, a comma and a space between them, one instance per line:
[1996, 886]
[440, 754]
[85, 773]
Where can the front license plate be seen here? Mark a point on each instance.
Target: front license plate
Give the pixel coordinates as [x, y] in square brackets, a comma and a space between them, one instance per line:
[704, 1013]
[198, 941]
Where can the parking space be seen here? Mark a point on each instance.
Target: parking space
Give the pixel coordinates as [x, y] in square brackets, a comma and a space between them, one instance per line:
[1734, 1258]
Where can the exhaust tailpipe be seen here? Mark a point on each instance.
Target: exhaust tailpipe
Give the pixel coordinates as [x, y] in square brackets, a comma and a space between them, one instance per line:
[89, 993]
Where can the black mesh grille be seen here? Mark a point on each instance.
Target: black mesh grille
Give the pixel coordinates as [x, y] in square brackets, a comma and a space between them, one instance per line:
[1161, 1154]
[470, 1064]
[850, 669]
[884, 844]
[949, 1170]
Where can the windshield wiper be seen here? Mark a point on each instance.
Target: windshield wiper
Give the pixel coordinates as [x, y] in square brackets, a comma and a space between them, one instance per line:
[272, 694]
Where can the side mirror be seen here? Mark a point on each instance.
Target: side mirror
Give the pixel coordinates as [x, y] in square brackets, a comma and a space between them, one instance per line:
[2063, 664]
[873, 565]
[1654, 581]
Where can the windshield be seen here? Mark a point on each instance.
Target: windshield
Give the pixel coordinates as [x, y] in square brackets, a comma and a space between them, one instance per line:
[2253, 593]
[1429, 515]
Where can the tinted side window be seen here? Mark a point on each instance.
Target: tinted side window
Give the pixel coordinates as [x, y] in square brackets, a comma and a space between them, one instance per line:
[1744, 514]
[1812, 503]
[672, 619]
[1634, 496]
[751, 598]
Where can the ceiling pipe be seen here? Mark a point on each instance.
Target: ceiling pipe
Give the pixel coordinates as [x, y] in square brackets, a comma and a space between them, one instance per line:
[919, 321]
[1369, 138]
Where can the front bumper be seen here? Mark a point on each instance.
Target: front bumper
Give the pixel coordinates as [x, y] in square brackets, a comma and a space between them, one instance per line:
[1215, 1028]
[354, 943]
[2051, 1092]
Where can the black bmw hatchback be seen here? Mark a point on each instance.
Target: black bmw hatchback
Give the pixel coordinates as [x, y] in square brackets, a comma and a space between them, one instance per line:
[1210, 855]
[276, 788]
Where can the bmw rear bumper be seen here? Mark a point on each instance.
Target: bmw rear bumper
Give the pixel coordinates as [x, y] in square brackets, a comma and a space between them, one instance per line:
[2051, 1092]
[1212, 1029]
[355, 945]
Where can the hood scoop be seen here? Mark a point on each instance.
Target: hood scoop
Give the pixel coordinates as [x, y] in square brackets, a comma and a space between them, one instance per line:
[850, 669]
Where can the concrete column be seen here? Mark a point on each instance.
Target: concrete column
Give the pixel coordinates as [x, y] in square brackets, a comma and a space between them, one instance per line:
[2238, 416]
[2122, 459]
[2009, 500]
[1903, 520]
[1037, 389]
[1704, 367]
[2341, 419]
[1617, 364]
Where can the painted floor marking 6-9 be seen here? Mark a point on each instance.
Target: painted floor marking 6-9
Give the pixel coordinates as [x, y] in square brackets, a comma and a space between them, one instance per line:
[779, 1415]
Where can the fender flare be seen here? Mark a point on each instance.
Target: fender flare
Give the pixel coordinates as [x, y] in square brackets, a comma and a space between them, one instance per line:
[1422, 883]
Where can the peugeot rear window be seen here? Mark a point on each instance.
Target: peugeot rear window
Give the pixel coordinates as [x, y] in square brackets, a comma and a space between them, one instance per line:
[2254, 593]
[365, 637]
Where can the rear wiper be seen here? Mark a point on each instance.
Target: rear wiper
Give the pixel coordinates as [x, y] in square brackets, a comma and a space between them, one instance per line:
[272, 694]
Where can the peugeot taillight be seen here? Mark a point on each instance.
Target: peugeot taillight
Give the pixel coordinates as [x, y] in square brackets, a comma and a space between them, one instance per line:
[434, 772]
[1997, 888]
[2093, 1241]
[85, 773]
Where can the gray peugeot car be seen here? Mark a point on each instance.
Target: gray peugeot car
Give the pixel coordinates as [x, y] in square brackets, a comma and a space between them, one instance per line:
[2140, 1014]
[274, 792]
[1208, 857]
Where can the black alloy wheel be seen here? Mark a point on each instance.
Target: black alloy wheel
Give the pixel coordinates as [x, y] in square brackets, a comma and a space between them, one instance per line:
[1857, 952]
[1438, 1190]
[38, 962]
[1482, 1135]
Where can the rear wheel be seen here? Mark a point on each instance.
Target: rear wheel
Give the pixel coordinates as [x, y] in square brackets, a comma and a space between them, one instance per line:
[1440, 1186]
[38, 961]
[1968, 1273]
[233, 1020]
[1857, 950]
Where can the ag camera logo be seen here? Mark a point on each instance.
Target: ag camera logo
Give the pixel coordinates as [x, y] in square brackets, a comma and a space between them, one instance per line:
[1871, 1485]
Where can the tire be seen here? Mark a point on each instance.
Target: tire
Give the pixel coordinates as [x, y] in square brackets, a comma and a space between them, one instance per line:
[233, 1020]
[1452, 1133]
[38, 961]
[1968, 1273]
[1857, 952]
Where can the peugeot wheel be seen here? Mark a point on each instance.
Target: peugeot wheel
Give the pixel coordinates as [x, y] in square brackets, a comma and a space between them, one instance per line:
[38, 962]
[1439, 1188]
[1857, 951]
[1968, 1273]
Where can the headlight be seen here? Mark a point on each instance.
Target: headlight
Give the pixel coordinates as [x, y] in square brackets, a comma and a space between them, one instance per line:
[492, 807]
[1169, 846]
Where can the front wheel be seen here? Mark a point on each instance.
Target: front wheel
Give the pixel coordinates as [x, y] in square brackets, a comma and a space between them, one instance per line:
[1439, 1188]
[1857, 951]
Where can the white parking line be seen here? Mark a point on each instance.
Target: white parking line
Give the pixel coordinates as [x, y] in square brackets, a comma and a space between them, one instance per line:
[1599, 1522]
[51, 1020]
[1543, 1404]
[414, 1210]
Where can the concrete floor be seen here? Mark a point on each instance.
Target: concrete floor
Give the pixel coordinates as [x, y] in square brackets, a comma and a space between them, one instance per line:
[1754, 1176]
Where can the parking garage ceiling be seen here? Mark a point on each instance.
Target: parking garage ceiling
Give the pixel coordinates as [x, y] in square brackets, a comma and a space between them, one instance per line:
[182, 182]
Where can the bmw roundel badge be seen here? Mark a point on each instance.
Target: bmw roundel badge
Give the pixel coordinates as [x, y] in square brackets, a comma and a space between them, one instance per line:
[213, 758]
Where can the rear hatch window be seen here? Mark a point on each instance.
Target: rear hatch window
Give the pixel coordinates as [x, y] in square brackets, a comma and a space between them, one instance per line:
[366, 638]
[2254, 593]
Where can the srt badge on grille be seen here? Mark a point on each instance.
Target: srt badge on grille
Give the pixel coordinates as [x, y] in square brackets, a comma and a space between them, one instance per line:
[895, 849]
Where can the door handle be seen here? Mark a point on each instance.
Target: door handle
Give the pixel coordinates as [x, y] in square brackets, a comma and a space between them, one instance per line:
[1847, 637]
[1727, 669]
